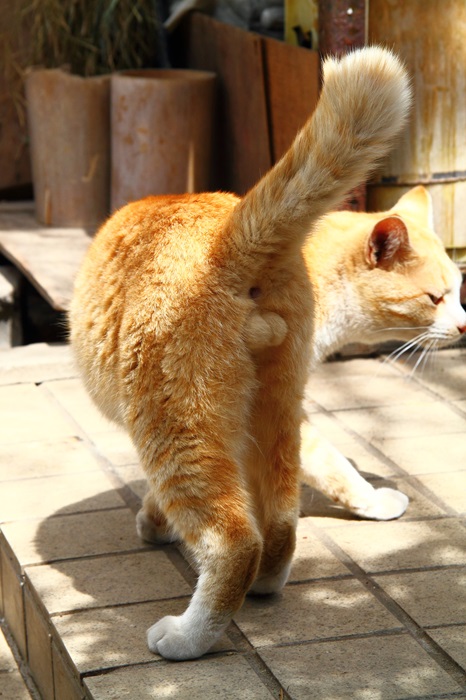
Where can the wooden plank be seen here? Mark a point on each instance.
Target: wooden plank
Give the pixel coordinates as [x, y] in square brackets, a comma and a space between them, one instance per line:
[242, 129]
[48, 257]
[292, 83]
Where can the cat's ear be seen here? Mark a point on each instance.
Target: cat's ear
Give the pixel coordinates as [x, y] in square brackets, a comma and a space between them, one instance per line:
[417, 202]
[388, 243]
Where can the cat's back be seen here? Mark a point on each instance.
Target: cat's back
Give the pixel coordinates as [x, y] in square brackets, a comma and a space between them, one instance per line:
[182, 225]
[154, 249]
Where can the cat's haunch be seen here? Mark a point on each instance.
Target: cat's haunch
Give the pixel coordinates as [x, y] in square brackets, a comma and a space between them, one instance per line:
[162, 327]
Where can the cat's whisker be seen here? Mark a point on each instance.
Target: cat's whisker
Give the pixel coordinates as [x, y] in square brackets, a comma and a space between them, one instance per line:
[410, 343]
[412, 347]
[422, 358]
[433, 357]
[414, 343]
[395, 355]
[422, 354]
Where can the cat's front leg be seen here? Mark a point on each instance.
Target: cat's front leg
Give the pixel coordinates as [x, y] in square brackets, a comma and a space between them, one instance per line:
[327, 470]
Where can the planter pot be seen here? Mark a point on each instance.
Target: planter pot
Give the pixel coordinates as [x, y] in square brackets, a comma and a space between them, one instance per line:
[69, 130]
[162, 124]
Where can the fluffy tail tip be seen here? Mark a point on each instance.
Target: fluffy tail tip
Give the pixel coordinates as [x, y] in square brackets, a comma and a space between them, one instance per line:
[379, 77]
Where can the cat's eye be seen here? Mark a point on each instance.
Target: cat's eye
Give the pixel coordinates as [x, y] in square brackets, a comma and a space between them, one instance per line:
[435, 299]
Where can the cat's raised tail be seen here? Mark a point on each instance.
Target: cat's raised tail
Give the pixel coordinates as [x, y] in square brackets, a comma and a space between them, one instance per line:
[363, 106]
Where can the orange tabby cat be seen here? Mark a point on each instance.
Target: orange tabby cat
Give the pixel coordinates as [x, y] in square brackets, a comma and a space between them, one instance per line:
[191, 323]
[376, 277]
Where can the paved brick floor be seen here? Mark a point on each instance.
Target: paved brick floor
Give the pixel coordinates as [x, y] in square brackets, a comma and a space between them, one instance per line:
[372, 610]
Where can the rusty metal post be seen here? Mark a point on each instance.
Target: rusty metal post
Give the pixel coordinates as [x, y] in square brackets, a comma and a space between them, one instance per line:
[342, 27]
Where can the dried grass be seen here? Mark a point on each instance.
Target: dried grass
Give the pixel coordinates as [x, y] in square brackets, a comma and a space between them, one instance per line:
[92, 36]
[89, 37]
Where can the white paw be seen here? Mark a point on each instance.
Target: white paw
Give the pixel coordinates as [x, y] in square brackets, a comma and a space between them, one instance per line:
[386, 504]
[165, 638]
[172, 639]
[150, 532]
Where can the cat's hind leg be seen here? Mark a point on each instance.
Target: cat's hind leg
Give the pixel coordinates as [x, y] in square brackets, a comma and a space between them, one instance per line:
[192, 460]
[324, 468]
[276, 465]
[273, 467]
[222, 537]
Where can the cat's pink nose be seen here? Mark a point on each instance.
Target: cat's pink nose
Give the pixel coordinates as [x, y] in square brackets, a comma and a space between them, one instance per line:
[462, 329]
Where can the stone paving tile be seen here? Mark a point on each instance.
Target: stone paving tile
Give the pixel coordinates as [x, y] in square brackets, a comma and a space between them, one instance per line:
[100, 532]
[361, 367]
[116, 636]
[449, 486]
[7, 661]
[446, 376]
[312, 611]
[116, 446]
[311, 558]
[13, 687]
[365, 391]
[42, 497]
[385, 546]
[383, 423]
[106, 580]
[74, 398]
[452, 640]
[103, 603]
[34, 459]
[206, 679]
[133, 476]
[427, 454]
[375, 668]
[36, 363]
[27, 415]
[430, 597]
